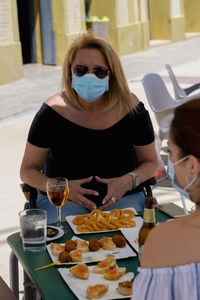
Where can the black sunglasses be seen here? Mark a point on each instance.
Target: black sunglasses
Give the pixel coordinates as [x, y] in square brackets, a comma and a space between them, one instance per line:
[98, 71]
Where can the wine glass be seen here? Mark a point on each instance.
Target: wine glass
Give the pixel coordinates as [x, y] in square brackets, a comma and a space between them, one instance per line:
[58, 192]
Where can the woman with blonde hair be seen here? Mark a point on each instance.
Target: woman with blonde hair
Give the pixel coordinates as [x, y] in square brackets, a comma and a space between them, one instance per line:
[96, 133]
[170, 265]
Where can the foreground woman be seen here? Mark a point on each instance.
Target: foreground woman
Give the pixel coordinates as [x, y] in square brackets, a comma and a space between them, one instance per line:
[170, 266]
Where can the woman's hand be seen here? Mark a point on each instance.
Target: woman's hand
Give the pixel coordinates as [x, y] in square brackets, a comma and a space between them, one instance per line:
[117, 187]
[76, 193]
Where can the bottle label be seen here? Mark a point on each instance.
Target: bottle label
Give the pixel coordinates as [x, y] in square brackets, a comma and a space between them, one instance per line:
[149, 215]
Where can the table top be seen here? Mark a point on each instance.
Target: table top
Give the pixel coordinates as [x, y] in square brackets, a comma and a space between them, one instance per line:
[48, 281]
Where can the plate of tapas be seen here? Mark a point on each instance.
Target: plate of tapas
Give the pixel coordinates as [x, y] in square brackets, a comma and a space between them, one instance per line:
[78, 250]
[91, 282]
[104, 221]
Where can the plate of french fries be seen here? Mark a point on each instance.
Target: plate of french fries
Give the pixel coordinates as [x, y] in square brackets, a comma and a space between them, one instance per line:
[86, 251]
[104, 285]
[104, 221]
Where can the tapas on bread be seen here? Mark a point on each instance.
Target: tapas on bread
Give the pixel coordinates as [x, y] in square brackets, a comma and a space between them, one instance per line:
[96, 291]
[125, 287]
[80, 271]
[82, 251]
[96, 285]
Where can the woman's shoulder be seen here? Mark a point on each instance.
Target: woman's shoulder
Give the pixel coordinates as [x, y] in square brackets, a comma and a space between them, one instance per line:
[135, 99]
[166, 244]
[159, 242]
[56, 99]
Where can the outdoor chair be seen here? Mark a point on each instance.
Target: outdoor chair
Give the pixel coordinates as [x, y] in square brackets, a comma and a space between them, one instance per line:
[179, 92]
[161, 102]
[30, 195]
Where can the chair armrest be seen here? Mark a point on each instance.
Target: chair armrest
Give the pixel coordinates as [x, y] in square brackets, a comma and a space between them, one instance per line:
[192, 88]
[30, 194]
[146, 187]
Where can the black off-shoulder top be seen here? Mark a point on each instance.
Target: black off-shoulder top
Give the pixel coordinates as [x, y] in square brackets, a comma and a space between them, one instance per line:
[78, 152]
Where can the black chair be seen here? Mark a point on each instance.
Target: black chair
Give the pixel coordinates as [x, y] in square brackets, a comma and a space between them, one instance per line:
[30, 194]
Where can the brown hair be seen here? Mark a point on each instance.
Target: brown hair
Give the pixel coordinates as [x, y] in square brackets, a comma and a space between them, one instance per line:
[118, 88]
[185, 128]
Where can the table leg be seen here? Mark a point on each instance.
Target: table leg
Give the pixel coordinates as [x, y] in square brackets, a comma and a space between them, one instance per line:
[14, 275]
[29, 288]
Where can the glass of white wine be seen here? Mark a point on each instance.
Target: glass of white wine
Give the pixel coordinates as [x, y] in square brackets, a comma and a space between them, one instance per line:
[58, 192]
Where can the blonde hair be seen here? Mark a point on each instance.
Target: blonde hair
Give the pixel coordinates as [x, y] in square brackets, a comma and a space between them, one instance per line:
[118, 88]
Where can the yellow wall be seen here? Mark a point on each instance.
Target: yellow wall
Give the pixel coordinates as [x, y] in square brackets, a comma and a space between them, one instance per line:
[145, 35]
[11, 64]
[106, 8]
[64, 34]
[145, 25]
[160, 20]
[125, 38]
[128, 38]
[177, 29]
[192, 15]
[163, 25]
[10, 53]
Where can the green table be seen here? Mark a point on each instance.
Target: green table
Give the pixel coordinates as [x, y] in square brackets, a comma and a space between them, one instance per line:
[48, 281]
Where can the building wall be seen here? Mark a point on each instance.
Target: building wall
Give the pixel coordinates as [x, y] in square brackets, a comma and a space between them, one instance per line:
[167, 20]
[192, 10]
[10, 48]
[124, 26]
[68, 24]
[129, 28]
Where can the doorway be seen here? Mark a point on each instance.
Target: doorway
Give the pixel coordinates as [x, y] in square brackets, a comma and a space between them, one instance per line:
[27, 33]
[26, 22]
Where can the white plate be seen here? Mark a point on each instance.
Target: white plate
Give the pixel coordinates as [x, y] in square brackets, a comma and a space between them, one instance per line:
[131, 234]
[99, 255]
[79, 286]
[73, 227]
[57, 236]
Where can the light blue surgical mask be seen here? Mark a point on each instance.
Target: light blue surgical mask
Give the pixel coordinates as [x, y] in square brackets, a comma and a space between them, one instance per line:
[173, 179]
[90, 87]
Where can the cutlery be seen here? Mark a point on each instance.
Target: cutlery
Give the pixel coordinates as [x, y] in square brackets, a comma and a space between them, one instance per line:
[50, 265]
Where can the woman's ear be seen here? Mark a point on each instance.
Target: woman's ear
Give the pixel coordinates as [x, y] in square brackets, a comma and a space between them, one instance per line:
[194, 165]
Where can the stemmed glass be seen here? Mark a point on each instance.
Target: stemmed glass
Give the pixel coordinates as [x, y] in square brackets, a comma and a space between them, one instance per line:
[58, 192]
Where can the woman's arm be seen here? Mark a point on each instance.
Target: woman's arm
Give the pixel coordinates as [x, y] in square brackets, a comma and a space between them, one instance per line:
[147, 166]
[30, 171]
[147, 161]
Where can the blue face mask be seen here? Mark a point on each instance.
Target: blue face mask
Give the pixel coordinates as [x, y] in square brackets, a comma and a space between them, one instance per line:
[89, 87]
[172, 176]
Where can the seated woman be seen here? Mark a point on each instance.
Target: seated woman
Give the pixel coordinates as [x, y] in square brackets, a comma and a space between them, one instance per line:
[170, 265]
[95, 133]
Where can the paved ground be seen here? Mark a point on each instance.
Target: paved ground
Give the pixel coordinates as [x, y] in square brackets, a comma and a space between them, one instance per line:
[20, 100]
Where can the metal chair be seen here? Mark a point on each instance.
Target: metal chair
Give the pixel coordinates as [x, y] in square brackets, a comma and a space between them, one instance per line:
[161, 102]
[179, 92]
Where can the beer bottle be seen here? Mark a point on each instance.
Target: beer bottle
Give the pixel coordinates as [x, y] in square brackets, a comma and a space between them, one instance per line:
[148, 222]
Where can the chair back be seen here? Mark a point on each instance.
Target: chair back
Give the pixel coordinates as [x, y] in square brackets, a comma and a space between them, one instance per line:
[178, 91]
[160, 101]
